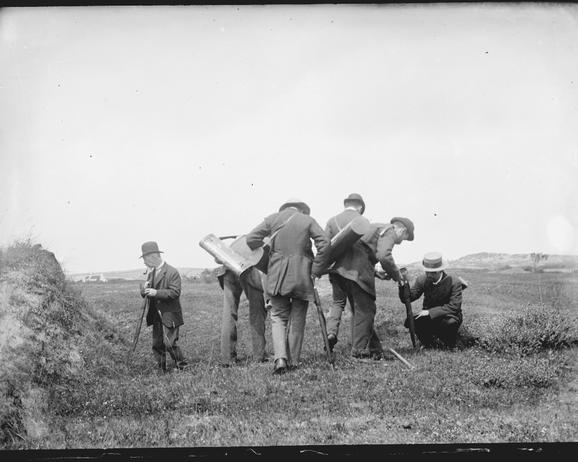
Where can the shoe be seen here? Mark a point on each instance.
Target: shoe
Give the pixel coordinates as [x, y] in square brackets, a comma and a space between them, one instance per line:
[280, 366]
[332, 340]
[376, 355]
[368, 357]
[182, 365]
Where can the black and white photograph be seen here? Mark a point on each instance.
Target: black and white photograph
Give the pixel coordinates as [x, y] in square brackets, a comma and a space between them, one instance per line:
[289, 229]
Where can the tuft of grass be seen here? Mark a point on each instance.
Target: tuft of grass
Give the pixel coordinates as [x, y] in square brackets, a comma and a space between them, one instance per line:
[536, 328]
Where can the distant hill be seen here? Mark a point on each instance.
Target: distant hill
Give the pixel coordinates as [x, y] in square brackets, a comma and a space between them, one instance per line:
[132, 275]
[516, 262]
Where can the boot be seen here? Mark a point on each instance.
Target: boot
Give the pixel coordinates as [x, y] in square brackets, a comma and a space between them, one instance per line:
[280, 366]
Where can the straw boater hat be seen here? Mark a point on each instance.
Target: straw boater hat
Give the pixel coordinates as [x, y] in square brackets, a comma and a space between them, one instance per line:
[150, 247]
[354, 197]
[302, 206]
[433, 262]
[407, 223]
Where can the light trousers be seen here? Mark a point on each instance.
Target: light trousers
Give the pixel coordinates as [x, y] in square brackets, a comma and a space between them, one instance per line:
[233, 286]
[288, 317]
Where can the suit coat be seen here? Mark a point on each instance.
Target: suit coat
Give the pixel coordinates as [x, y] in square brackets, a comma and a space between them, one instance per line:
[291, 259]
[443, 299]
[375, 246]
[167, 282]
[355, 264]
[383, 251]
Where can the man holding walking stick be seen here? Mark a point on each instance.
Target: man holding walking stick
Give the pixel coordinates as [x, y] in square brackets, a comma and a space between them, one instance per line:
[441, 316]
[163, 289]
[290, 268]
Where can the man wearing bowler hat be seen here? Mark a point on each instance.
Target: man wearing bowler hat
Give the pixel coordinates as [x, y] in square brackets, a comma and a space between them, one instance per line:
[290, 269]
[377, 245]
[163, 288]
[250, 282]
[441, 315]
[344, 267]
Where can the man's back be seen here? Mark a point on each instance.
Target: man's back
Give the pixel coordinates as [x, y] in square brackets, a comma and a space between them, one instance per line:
[340, 221]
[291, 257]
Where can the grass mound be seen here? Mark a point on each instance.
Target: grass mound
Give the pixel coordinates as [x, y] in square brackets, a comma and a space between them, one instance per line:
[45, 327]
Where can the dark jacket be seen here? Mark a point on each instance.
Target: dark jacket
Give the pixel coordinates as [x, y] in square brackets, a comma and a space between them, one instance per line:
[291, 260]
[375, 246]
[442, 299]
[385, 243]
[355, 264]
[168, 285]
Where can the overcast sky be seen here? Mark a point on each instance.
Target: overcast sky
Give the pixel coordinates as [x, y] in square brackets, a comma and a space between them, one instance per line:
[120, 125]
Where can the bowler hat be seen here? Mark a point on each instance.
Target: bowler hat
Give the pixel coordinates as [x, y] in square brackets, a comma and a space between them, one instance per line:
[293, 202]
[407, 223]
[354, 197]
[433, 262]
[150, 247]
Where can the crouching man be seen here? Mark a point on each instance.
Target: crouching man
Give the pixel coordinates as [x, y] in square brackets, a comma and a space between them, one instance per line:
[441, 315]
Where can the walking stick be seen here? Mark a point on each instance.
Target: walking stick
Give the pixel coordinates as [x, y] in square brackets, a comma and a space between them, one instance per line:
[323, 326]
[166, 341]
[402, 359]
[407, 301]
[145, 306]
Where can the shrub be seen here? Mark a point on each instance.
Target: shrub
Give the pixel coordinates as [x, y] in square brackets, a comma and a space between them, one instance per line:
[511, 373]
[536, 328]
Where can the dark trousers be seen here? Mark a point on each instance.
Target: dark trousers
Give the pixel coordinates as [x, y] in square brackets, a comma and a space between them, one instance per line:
[445, 328]
[166, 341]
[364, 339]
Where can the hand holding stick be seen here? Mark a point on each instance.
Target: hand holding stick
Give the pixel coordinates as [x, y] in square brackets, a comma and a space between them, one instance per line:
[405, 289]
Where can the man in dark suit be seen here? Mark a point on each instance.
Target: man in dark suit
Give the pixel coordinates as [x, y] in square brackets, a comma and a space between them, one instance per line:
[289, 275]
[163, 288]
[354, 206]
[441, 315]
[354, 274]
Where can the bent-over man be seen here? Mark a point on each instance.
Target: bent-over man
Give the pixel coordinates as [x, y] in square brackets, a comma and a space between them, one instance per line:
[355, 273]
[250, 282]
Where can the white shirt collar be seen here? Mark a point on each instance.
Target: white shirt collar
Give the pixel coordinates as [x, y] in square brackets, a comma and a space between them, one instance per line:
[351, 207]
[438, 281]
[158, 268]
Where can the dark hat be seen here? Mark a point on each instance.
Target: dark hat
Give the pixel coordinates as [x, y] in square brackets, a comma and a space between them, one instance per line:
[293, 202]
[150, 247]
[407, 223]
[433, 262]
[354, 197]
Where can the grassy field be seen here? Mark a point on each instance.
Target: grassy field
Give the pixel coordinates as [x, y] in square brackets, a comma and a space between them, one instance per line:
[508, 382]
